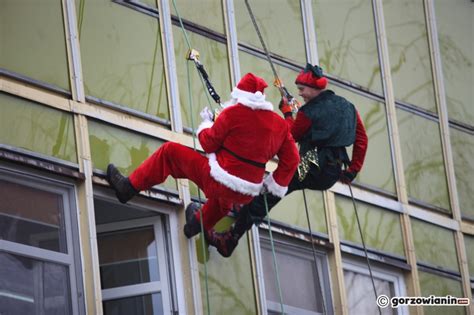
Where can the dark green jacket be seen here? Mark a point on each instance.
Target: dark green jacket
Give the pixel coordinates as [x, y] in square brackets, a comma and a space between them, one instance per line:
[333, 127]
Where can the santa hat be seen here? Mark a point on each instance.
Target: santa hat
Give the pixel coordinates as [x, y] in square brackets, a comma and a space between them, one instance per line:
[249, 92]
[312, 76]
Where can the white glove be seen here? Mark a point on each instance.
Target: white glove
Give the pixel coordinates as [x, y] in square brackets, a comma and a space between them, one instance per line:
[206, 114]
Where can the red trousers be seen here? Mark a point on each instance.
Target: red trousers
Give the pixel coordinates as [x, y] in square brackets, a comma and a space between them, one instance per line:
[182, 162]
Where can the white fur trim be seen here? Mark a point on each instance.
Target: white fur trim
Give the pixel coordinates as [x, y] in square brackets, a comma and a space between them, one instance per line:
[255, 101]
[231, 181]
[273, 187]
[204, 125]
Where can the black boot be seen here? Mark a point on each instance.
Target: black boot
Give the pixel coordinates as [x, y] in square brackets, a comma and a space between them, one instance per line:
[192, 226]
[121, 184]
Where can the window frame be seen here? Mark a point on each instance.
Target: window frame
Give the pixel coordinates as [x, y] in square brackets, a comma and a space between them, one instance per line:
[294, 247]
[72, 259]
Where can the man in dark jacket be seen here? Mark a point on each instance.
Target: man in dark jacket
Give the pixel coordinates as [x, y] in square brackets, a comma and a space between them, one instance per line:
[324, 126]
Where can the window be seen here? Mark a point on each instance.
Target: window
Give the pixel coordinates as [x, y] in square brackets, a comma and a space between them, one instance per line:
[133, 260]
[303, 283]
[359, 289]
[39, 269]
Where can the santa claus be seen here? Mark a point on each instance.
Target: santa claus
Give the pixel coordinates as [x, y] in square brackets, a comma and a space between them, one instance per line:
[238, 144]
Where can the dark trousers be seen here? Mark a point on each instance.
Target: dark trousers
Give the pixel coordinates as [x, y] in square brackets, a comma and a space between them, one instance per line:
[255, 211]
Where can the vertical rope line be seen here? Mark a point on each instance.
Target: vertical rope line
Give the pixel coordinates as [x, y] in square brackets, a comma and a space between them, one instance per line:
[275, 265]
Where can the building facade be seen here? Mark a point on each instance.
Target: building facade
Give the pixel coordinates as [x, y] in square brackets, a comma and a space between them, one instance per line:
[84, 83]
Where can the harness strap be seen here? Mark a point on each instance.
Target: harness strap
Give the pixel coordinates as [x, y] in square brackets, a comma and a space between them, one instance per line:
[238, 157]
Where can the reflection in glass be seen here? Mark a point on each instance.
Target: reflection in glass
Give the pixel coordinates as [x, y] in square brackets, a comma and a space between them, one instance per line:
[127, 150]
[29, 286]
[127, 257]
[35, 43]
[213, 55]
[207, 13]
[410, 60]
[122, 62]
[144, 305]
[32, 217]
[360, 293]
[37, 128]
[346, 41]
[378, 168]
[430, 241]
[462, 144]
[280, 24]
[454, 19]
[422, 159]
[381, 228]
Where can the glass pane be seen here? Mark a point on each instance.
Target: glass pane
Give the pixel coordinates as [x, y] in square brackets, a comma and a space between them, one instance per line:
[422, 159]
[231, 290]
[122, 62]
[291, 210]
[381, 228]
[462, 144]
[298, 279]
[32, 217]
[128, 257]
[125, 149]
[469, 243]
[346, 41]
[431, 284]
[106, 212]
[144, 305]
[35, 43]
[378, 168]
[280, 23]
[408, 51]
[207, 13]
[455, 23]
[430, 241]
[261, 67]
[37, 128]
[29, 286]
[213, 55]
[360, 293]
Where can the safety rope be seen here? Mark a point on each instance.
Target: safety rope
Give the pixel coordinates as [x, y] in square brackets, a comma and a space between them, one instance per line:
[275, 265]
[190, 99]
[365, 248]
[314, 250]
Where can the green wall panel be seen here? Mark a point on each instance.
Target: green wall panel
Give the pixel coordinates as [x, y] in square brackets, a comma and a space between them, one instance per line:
[410, 61]
[122, 62]
[469, 244]
[455, 23]
[381, 228]
[280, 23]
[213, 55]
[423, 159]
[291, 210]
[32, 40]
[378, 169]
[208, 13]
[230, 284]
[127, 150]
[431, 284]
[463, 151]
[430, 241]
[37, 128]
[345, 31]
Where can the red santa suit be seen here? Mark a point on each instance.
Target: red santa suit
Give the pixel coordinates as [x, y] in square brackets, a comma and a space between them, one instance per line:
[238, 144]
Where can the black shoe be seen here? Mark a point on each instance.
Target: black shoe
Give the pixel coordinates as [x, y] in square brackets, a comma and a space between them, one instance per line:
[225, 242]
[121, 184]
[192, 226]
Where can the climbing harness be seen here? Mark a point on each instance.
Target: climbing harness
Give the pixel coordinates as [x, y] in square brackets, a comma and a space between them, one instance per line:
[293, 102]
